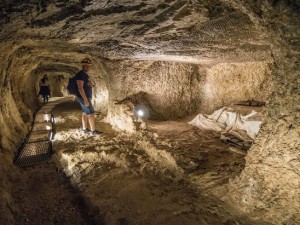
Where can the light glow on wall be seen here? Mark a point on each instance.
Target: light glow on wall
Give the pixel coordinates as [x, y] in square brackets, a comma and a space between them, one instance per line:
[141, 112]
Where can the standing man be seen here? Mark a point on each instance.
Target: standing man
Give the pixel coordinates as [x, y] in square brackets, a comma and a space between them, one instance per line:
[84, 97]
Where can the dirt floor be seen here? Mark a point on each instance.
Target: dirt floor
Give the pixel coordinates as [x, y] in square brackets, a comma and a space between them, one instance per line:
[170, 173]
[44, 196]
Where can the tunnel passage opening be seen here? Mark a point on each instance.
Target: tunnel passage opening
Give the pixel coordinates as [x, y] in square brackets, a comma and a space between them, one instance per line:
[57, 75]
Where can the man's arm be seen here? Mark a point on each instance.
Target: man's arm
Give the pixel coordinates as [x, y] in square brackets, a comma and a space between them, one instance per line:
[82, 93]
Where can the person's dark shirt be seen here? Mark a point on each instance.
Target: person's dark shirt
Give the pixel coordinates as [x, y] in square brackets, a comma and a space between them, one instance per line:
[44, 82]
[81, 75]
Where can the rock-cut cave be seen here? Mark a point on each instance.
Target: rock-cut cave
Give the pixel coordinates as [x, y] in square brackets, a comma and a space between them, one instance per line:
[198, 102]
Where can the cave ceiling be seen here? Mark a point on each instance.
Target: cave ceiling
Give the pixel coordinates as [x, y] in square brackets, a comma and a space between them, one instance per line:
[188, 31]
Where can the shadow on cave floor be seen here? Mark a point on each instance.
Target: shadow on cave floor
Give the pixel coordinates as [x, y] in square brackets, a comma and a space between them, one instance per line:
[44, 196]
[171, 173]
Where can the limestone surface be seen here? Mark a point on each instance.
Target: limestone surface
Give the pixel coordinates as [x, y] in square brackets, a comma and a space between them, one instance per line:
[176, 57]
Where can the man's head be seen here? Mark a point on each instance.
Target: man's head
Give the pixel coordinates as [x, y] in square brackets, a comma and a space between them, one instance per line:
[86, 64]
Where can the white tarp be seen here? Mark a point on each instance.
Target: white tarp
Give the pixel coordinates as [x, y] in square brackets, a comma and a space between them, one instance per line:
[227, 118]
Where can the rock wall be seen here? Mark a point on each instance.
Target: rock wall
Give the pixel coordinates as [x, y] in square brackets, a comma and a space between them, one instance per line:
[12, 132]
[228, 83]
[230, 41]
[268, 188]
[172, 90]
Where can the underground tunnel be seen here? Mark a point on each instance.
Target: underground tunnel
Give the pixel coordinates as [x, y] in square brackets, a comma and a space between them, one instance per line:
[198, 102]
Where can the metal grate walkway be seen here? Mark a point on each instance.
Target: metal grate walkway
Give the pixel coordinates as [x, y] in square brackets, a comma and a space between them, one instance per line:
[37, 147]
[33, 153]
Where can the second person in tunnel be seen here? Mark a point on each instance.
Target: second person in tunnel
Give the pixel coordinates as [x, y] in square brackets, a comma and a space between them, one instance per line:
[84, 97]
[44, 88]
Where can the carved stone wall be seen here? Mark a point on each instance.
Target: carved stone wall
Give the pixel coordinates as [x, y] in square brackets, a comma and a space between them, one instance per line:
[187, 56]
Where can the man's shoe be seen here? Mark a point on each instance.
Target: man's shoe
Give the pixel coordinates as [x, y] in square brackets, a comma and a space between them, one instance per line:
[85, 131]
[96, 132]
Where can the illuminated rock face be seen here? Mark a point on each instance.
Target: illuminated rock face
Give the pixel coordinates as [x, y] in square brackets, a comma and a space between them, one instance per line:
[174, 90]
[187, 57]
